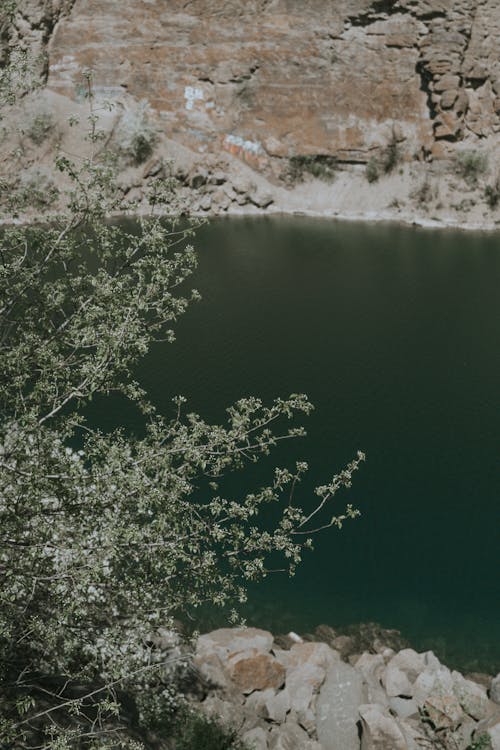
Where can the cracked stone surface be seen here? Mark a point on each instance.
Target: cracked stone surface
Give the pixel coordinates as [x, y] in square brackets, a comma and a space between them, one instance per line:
[266, 80]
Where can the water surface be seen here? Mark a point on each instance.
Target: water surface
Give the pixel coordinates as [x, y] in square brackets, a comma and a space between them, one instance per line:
[393, 334]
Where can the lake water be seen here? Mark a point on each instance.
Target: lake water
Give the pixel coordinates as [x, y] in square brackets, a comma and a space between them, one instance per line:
[393, 333]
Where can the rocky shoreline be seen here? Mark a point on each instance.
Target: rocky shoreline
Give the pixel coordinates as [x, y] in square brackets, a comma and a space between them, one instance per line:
[322, 692]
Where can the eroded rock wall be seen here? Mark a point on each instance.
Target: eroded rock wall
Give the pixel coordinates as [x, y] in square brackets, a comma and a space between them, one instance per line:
[269, 79]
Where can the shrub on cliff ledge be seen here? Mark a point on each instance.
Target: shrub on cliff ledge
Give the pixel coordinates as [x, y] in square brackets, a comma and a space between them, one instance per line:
[105, 537]
[471, 165]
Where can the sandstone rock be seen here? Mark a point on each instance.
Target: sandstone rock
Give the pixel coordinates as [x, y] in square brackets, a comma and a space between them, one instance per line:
[212, 670]
[227, 712]
[448, 98]
[218, 178]
[432, 681]
[290, 736]
[396, 682]
[403, 707]
[380, 731]
[261, 198]
[227, 641]
[337, 708]
[409, 663]
[491, 728]
[306, 665]
[270, 704]
[444, 711]
[446, 82]
[495, 689]
[480, 678]
[251, 670]
[462, 736]
[256, 739]
[471, 696]
[371, 667]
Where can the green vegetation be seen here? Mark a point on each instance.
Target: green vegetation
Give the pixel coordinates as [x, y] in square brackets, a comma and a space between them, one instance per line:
[321, 166]
[372, 170]
[40, 127]
[392, 155]
[492, 193]
[425, 193]
[106, 537]
[471, 165]
[197, 732]
[481, 743]
[136, 135]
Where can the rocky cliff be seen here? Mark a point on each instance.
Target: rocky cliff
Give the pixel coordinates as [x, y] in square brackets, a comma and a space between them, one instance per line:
[264, 82]
[276, 78]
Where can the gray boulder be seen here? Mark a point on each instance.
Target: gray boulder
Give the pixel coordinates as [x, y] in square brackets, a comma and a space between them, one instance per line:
[495, 689]
[337, 708]
[290, 736]
[380, 731]
[256, 739]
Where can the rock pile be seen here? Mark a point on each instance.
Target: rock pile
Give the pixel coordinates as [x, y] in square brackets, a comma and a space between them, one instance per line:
[293, 694]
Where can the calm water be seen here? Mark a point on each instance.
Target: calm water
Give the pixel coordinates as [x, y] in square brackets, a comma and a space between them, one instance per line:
[393, 333]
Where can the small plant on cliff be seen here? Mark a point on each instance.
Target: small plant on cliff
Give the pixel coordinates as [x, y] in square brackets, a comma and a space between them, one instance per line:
[198, 732]
[471, 165]
[392, 155]
[372, 170]
[425, 193]
[136, 135]
[40, 127]
[106, 537]
[321, 166]
[492, 193]
[483, 742]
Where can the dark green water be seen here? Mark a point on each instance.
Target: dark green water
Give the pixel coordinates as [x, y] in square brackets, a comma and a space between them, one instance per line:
[393, 333]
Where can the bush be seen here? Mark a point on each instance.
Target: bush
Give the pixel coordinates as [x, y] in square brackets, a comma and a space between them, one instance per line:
[492, 193]
[424, 193]
[372, 170]
[392, 155]
[197, 732]
[136, 135]
[321, 166]
[470, 165]
[39, 128]
[36, 189]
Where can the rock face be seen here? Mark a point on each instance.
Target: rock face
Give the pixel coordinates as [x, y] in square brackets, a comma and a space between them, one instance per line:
[265, 80]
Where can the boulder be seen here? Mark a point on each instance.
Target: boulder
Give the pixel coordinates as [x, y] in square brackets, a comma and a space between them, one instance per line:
[290, 736]
[371, 667]
[211, 670]
[446, 82]
[444, 711]
[491, 728]
[471, 696]
[380, 731]
[432, 681]
[261, 198]
[270, 704]
[403, 707]
[227, 641]
[256, 739]
[396, 682]
[253, 670]
[448, 98]
[227, 712]
[495, 689]
[337, 708]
